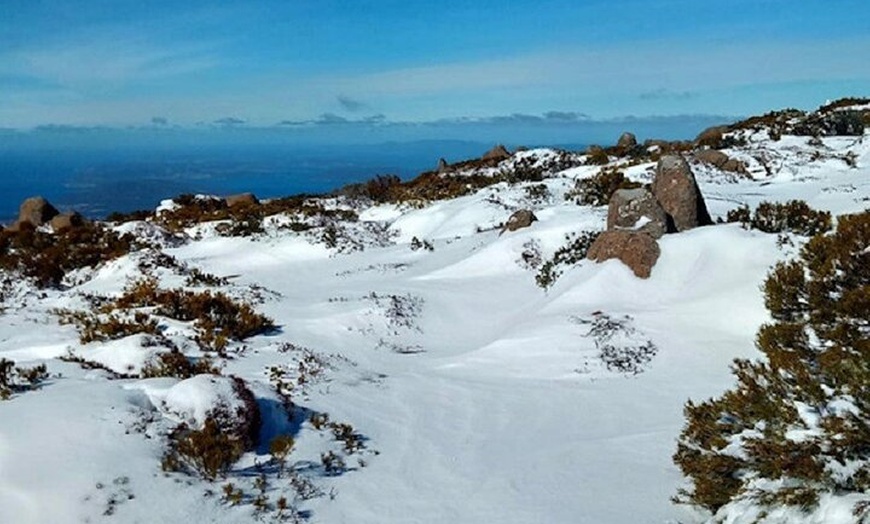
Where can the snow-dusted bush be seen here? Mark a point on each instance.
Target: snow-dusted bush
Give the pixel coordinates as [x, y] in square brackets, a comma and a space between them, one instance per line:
[794, 216]
[16, 379]
[597, 190]
[797, 425]
[573, 251]
[220, 420]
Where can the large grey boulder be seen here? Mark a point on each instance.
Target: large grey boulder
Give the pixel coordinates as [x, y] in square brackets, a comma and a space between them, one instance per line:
[636, 210]
[675, 188]
[66, 221]
[638, 251]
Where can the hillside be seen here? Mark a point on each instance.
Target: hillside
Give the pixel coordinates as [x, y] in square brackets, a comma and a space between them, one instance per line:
[428, 365]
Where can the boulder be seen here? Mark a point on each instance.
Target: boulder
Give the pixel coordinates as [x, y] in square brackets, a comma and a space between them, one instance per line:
[720, 160]
[636, 210]
[497, 153]
[596, 155]
[36, 211]
[443, 166]
[66, 221]
[520, 219]
[626, 141]
[712, 137]
[242, 199]
[675, 188]
[638, 251]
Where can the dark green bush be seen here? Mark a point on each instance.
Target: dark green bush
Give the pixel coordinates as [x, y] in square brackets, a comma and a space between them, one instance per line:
[572, 252]
[794, 216]
[597, 190]
[814, 382]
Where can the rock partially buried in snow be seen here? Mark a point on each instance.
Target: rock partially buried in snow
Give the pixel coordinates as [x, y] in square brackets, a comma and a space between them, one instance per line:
[242, 199]
[712, 137]
[638, 251]
[636, 210]
[675, 188]
[497, 153]
[520, 219]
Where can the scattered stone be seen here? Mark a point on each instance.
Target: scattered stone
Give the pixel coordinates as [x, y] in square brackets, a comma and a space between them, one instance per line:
[638, 251]
[497, 153]
[627, 141]
[520, 219]
[636, 210]
[242, 199]
[36, 211]
[66, 221]
[675, 188]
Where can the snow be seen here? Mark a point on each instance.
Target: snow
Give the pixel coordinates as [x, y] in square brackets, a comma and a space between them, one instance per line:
[500, 410]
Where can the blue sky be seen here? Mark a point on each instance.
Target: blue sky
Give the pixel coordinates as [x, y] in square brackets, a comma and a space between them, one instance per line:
[346, 67]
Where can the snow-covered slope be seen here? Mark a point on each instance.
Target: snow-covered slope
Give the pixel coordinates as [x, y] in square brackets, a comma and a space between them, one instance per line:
[480, 397]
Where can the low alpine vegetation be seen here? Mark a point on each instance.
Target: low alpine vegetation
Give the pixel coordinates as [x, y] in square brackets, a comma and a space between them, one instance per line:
[15, 379]
[797, 424]
[573, 251]
[597, 190]
[794, 216]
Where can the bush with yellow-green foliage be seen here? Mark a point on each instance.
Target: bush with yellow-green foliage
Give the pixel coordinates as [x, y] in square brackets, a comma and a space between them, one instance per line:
[797, 423]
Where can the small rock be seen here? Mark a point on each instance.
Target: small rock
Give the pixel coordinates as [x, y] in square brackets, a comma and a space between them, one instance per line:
[497, 153]
[636, 210]
[675, 188]
[720, 160]
[638, 251]
[242, 199]
[520, 219]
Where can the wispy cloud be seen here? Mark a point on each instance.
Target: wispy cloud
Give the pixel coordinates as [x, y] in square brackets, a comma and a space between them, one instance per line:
[666, 94]
[349, 104]
[229, 121]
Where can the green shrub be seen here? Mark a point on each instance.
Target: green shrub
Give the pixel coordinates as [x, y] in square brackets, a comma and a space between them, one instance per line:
[597, 190]
[175, 364]
[794, 216]
[801, 417]
[572, 252]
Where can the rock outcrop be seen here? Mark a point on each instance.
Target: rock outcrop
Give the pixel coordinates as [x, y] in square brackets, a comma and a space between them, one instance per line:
[636, 210]
[66, 221]
[497, 153]
[638, 251]
[443, 166]
[242, 199]
[675, 188]
[626, 141]
[520, 219]
[36, 211]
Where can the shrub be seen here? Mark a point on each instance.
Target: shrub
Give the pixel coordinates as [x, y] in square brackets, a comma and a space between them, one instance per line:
[597, 190]
[572, 252]
[16, 379]
[48, 257]
[796, 424]
[175, 364]
[794, 216]
[208, 452]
